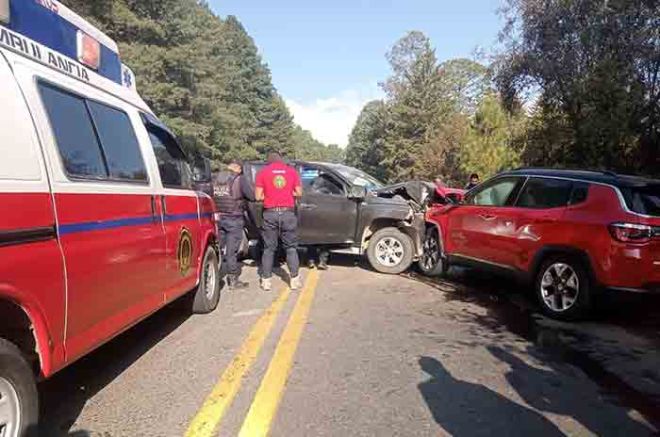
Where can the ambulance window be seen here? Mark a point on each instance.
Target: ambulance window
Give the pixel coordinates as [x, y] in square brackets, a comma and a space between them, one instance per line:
[121, 147]
[74, 133]
[174, 170]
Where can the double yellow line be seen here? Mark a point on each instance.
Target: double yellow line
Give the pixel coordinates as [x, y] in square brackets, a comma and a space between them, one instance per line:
[264, 406]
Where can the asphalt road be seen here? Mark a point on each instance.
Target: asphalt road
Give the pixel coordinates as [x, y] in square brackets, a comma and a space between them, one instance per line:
[366, 354]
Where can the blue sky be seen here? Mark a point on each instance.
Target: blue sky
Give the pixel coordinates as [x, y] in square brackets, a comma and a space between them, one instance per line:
[327, 57]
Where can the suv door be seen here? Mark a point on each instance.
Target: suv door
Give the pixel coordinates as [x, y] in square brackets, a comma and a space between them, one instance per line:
[533, 222]
[326, 214]
[473, 226]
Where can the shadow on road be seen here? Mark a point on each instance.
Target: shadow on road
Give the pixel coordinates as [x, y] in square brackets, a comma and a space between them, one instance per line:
[466, 409]
[560, 347]
[64, 396]
[553, 391]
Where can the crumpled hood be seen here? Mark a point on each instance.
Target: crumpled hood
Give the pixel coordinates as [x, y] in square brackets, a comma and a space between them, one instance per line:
[418, 191]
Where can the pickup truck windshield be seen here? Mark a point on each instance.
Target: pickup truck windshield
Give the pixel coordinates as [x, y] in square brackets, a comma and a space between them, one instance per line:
[357, 177]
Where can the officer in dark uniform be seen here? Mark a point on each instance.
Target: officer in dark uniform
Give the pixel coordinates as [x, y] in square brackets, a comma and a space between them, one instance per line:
[229, 196]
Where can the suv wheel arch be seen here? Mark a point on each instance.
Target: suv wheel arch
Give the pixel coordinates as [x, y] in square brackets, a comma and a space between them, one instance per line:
[555, 250]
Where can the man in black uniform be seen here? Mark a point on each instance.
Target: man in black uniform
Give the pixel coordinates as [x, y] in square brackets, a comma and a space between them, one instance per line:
[228, 193]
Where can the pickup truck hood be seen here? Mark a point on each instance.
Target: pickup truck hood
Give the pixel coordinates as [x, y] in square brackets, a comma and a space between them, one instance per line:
[419, 192]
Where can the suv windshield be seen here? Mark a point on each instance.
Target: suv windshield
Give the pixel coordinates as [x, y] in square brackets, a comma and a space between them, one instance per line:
[643, 200]
[357, 177]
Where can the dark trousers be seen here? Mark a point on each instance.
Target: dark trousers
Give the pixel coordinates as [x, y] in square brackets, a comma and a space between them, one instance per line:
[231, 236]
[280, 225]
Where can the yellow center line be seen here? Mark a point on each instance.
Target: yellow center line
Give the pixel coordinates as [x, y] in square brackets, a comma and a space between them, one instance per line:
[216, 404]
[264, 407]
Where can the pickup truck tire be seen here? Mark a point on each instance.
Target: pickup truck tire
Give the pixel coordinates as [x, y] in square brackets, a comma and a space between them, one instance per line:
[432, 262]
[19, 401]
[207, 293]
[390, 251]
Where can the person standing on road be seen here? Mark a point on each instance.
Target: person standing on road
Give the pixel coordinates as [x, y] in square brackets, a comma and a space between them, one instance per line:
[473, 182]
[278, 185]
[228, 193]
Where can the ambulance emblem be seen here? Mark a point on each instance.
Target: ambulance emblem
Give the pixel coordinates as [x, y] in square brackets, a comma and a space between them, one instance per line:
[184, 252]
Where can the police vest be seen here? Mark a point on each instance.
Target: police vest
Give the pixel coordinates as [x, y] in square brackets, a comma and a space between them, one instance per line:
[223, 196]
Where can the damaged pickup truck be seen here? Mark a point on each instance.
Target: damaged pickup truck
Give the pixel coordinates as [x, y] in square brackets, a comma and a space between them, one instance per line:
[346, 210]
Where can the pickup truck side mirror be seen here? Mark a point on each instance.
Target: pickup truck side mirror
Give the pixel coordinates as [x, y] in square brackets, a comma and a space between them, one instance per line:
[357, 192]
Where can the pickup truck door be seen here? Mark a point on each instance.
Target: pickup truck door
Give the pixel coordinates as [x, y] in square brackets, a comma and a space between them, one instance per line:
[326, 214]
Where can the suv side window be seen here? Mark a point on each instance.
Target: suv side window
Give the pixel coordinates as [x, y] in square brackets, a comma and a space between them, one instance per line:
[498, 192]
[175, 172]
[542, 193]
[95, 141]
[317, 181]
[74, 133]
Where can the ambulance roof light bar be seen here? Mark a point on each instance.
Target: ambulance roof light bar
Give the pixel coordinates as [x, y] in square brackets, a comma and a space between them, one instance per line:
[89, 50]
[5, 12]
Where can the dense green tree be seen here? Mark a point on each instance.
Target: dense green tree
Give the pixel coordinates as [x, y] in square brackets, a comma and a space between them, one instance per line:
[596, 66]
[201, 74]
[365, 145]
[491, 144]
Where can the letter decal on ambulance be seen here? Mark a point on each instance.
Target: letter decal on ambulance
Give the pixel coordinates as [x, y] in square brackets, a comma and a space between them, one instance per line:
[184, 252]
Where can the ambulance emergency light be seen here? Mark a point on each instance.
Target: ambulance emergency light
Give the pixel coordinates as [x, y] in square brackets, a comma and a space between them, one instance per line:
[89, 50]
[5, 13]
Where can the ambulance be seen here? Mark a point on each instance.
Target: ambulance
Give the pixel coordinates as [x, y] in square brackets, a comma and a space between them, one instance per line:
[99, 223]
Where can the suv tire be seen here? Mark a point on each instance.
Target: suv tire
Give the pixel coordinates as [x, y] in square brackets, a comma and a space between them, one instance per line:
[563, 287]
[432, 262]
[207, 293]
[390, 251]
[18, 388]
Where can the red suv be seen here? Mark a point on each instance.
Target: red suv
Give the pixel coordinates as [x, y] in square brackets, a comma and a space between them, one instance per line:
[570, 233]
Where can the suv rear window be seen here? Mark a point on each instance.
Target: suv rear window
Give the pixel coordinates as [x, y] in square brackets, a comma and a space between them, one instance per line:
[544, 193]
[643, 200]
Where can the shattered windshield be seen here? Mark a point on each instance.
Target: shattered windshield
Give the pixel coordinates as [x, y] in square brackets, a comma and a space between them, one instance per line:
[357, 177]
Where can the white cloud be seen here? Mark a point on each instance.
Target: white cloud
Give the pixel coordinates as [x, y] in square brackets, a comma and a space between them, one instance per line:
[331, 120]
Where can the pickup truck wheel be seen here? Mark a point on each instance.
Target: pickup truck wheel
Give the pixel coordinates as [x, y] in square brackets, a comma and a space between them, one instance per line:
[207, 294]
[432, 263]
[390, 251]
[19, 402]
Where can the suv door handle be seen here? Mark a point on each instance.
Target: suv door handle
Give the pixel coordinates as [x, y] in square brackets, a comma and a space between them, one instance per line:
[487, 217]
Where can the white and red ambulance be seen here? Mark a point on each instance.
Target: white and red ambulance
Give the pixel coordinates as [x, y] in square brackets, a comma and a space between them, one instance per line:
[99, 224]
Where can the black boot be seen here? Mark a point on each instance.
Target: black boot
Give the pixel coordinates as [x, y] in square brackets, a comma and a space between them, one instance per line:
[233, 283]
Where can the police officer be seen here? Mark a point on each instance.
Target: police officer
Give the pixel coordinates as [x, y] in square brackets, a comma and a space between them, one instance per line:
[278, 184]
[228, 193]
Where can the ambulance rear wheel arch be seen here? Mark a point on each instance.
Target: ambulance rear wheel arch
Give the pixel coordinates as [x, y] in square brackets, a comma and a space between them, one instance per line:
[18, 329]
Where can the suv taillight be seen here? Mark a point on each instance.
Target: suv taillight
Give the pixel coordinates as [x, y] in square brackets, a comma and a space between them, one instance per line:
[631, 233]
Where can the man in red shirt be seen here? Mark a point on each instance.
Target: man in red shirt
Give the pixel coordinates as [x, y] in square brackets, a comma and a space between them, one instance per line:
[278, 185]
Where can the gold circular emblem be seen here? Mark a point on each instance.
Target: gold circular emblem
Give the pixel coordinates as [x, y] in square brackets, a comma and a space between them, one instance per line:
[184, 252]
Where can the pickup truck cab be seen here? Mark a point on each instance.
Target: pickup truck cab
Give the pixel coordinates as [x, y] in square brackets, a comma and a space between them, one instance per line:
[100, 226]
[346, 210]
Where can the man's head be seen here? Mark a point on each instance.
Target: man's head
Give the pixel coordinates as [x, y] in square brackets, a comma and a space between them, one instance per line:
[235, 166]
[439, 182]
[474, 179]
[274, 157]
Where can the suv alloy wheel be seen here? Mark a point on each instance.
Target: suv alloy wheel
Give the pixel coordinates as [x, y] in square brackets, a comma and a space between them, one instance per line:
[432, 262]
[563, 287]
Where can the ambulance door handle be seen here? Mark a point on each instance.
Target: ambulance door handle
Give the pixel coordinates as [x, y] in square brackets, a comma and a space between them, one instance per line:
[163, 204]
[153, 207]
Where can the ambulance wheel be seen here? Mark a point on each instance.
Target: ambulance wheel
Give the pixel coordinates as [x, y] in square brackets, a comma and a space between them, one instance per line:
[19, 401]
[207, 294]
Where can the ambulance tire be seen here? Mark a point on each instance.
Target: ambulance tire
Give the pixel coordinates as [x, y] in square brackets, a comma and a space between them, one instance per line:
[17, 383]
[207, 293]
